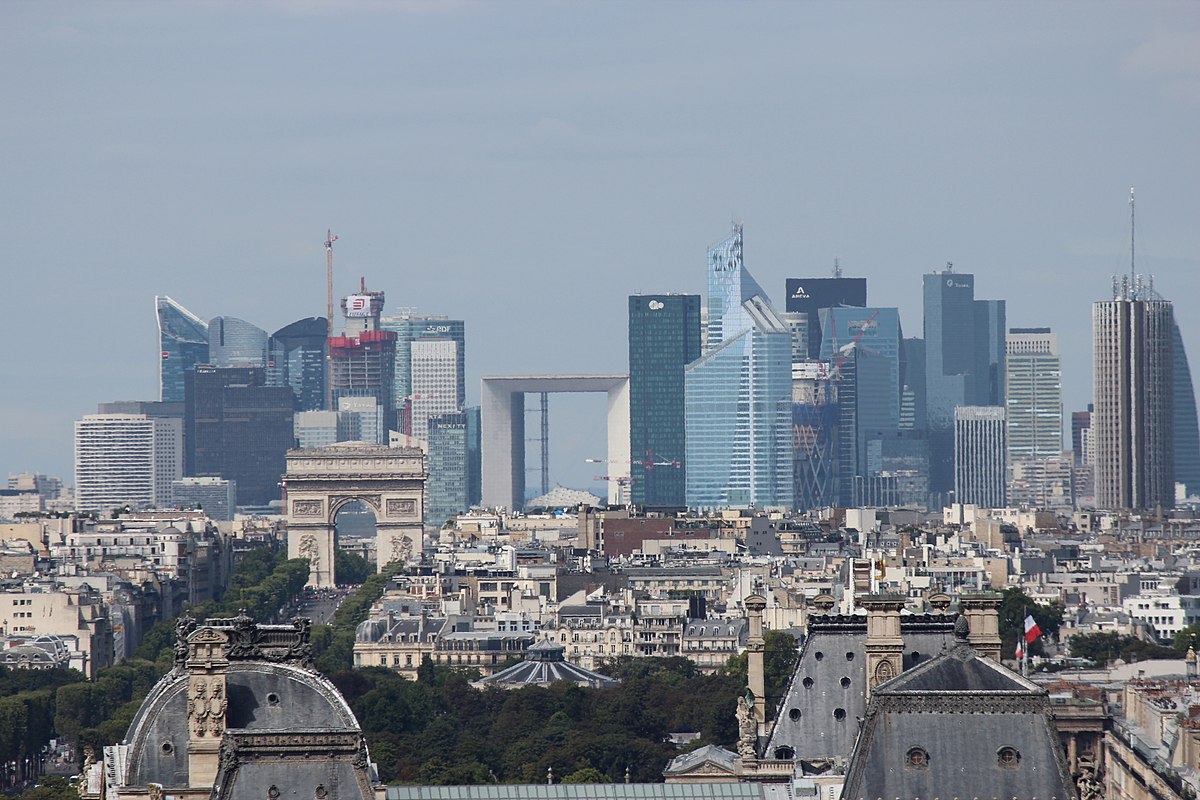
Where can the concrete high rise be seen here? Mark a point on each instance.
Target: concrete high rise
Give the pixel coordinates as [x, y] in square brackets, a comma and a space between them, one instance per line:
[964, 362]
[980, 472]
[737, 395]
[434, 382]
[410, 327]
[664, 337]
[363, 359]
[233, 342]
[1033, 395]
[125, 459]
[182, 342]
[1133, 391]
[236, 427]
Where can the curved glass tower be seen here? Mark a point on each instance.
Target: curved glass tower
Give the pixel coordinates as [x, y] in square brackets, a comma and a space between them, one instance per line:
[183, 342]
[233, 342]
[296, 357]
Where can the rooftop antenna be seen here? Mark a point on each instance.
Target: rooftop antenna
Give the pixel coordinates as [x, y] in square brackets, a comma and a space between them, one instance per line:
[1132, 219]
[837, 268]
[329, 240]
[949, 266]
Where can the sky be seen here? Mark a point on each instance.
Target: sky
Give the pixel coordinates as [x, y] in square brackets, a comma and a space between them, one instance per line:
[526, 166]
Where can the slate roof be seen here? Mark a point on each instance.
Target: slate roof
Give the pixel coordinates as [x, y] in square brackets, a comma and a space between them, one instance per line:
[981, 729]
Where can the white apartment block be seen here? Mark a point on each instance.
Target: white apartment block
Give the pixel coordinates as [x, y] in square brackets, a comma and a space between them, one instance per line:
[126, 459]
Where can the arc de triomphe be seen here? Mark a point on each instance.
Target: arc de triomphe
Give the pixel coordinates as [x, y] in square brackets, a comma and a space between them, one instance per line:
[319, 481]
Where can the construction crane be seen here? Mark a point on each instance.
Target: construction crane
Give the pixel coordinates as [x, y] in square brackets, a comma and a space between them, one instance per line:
[329, 240]
[840, 357]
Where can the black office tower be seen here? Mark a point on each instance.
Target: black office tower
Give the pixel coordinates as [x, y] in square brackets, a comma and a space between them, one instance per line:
[297, 356]
[809, 295]
[237, 427]
[664, 337]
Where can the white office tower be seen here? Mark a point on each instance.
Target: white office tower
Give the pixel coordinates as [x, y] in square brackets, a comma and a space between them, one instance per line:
[126, 459]
[434, 382]
[370, 418]
[1033, 399]
[979, 456]
[325, 428]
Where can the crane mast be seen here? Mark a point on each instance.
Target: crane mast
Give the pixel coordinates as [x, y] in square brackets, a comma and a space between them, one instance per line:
[329, 240]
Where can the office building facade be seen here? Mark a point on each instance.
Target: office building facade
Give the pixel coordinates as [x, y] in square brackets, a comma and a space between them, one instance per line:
[233, 342]
[297, 357]
[326, 428]
[737, 395]
[182, 342]
[664, 337]
[807, 296]
[126, 459]
[236, 427]
[964, 362]
[447, 484]
[1186, 426]
[434, 382]
[815, 416]
[410, 327]
[217, 497]
[1033, 395]
[1133, 394]
[980, 469]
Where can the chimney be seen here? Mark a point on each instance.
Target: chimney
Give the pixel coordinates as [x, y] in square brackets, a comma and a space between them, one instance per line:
[755, 645]
[982, 610]
[884, 646]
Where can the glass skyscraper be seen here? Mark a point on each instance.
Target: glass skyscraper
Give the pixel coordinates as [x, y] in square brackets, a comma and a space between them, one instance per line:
[737, 395]
[296, 357]
[1187, 431]
[664, 337]
[964, 362]
[233, 342]
[183, 343]
[807, 296]
[448, 483]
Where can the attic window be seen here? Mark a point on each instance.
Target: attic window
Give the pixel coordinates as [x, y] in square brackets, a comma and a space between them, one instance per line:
[839, 713]
[849, 656]
[845, 681]
[168, 748]
[784, 753]
[916, 758]
[807, 683]
[272, 699]
[1008, 757]
[794, 714]
[819, 655]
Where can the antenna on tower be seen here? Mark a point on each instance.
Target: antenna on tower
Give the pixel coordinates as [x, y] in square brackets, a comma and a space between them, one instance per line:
[949, 266]
[329, 240]
[1132, 238]
[837, 268]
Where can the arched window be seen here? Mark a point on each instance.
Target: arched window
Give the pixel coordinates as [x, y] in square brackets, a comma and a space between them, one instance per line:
[916, 758]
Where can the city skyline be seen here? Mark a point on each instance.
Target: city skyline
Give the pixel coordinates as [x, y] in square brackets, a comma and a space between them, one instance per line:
[895, 143]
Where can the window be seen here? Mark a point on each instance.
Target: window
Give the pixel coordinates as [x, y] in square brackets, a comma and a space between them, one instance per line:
[1008, 757]
[916, 758]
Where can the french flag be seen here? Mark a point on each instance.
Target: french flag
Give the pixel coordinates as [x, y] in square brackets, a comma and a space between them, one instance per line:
[1032, 631]
[1020, 650]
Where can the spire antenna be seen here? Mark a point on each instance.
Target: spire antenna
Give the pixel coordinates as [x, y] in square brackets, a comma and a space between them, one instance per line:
[1132, 237]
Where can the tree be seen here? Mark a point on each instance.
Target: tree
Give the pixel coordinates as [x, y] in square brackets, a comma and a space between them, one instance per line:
[1014, 608]
[586, 775]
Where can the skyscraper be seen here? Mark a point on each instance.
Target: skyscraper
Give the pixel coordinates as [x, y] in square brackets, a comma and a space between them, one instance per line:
[664, 337]
[125, 459]
[236, 427]
[737, 395]
[363, 359]
[296, 357]
[814, 435]
[964, 362]
[807, 296]
[1187, 429]
[1134, 391]
[182, 342]
[448, 482]
[409, 327]
[1033, 395]
[434, 382]
[233, 342]
[980, 473]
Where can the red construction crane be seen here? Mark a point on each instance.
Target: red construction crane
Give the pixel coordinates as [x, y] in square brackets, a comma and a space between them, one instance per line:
[329, 240]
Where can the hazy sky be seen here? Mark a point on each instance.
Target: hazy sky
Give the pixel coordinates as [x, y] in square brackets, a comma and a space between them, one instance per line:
[526, 166]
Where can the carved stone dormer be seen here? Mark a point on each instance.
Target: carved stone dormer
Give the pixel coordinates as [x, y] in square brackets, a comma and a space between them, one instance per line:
[884, 646]
[208, 701]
